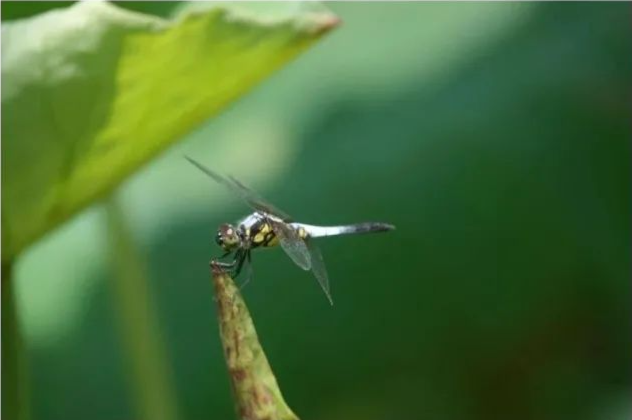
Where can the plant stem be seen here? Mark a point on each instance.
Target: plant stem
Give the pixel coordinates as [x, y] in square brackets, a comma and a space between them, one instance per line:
[15, 380]
[154, 395]
[255, 388]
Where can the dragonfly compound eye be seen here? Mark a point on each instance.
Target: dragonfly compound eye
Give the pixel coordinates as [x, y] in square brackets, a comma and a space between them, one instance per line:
[227, 237]
[219, 240]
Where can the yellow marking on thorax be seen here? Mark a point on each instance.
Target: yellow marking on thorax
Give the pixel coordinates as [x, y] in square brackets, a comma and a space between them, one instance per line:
[274, 241]
[258, 238]
[265, 228]
[264, 234]
[302, 233]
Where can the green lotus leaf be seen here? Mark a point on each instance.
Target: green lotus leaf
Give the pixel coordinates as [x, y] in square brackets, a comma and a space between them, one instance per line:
[92, 92]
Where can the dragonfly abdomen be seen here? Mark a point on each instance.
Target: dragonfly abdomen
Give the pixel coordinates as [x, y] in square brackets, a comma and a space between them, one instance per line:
[367, 227]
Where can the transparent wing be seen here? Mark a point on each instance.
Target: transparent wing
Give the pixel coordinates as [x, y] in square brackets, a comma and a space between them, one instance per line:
[318, 268]
[257, 202]
[292, 244]
[250, 197]
[247, 267]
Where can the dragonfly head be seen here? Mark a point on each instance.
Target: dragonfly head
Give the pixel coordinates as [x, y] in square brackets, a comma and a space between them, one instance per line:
[227, 237]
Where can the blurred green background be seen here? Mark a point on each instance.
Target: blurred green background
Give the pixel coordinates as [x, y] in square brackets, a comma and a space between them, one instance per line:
[495, 136]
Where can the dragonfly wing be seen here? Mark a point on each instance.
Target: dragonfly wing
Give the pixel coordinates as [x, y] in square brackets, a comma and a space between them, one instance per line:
[292, 244]
[250, 197]
[257, 202]
[318, 268]
[248, 269]
[214, 175]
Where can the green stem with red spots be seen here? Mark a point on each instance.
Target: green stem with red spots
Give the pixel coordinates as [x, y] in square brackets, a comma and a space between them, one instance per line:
[255, 388]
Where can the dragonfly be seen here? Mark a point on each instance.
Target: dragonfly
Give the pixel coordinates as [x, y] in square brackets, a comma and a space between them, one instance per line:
[267, 226]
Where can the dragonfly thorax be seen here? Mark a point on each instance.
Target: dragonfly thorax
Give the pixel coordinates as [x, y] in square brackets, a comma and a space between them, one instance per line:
[257, 231]
[252, 231]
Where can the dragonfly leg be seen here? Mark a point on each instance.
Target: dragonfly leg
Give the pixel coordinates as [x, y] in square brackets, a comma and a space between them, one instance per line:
[226, 254]
[229, 266]
[235, 266]
[225, 265]
[240, 258]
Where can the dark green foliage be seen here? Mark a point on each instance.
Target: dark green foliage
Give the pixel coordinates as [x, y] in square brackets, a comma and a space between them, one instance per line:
[503, 294]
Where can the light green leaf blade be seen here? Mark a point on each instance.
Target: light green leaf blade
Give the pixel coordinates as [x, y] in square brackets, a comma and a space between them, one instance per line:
[92, 92]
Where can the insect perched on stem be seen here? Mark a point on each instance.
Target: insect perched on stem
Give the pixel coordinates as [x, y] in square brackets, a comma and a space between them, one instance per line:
[268, 226]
